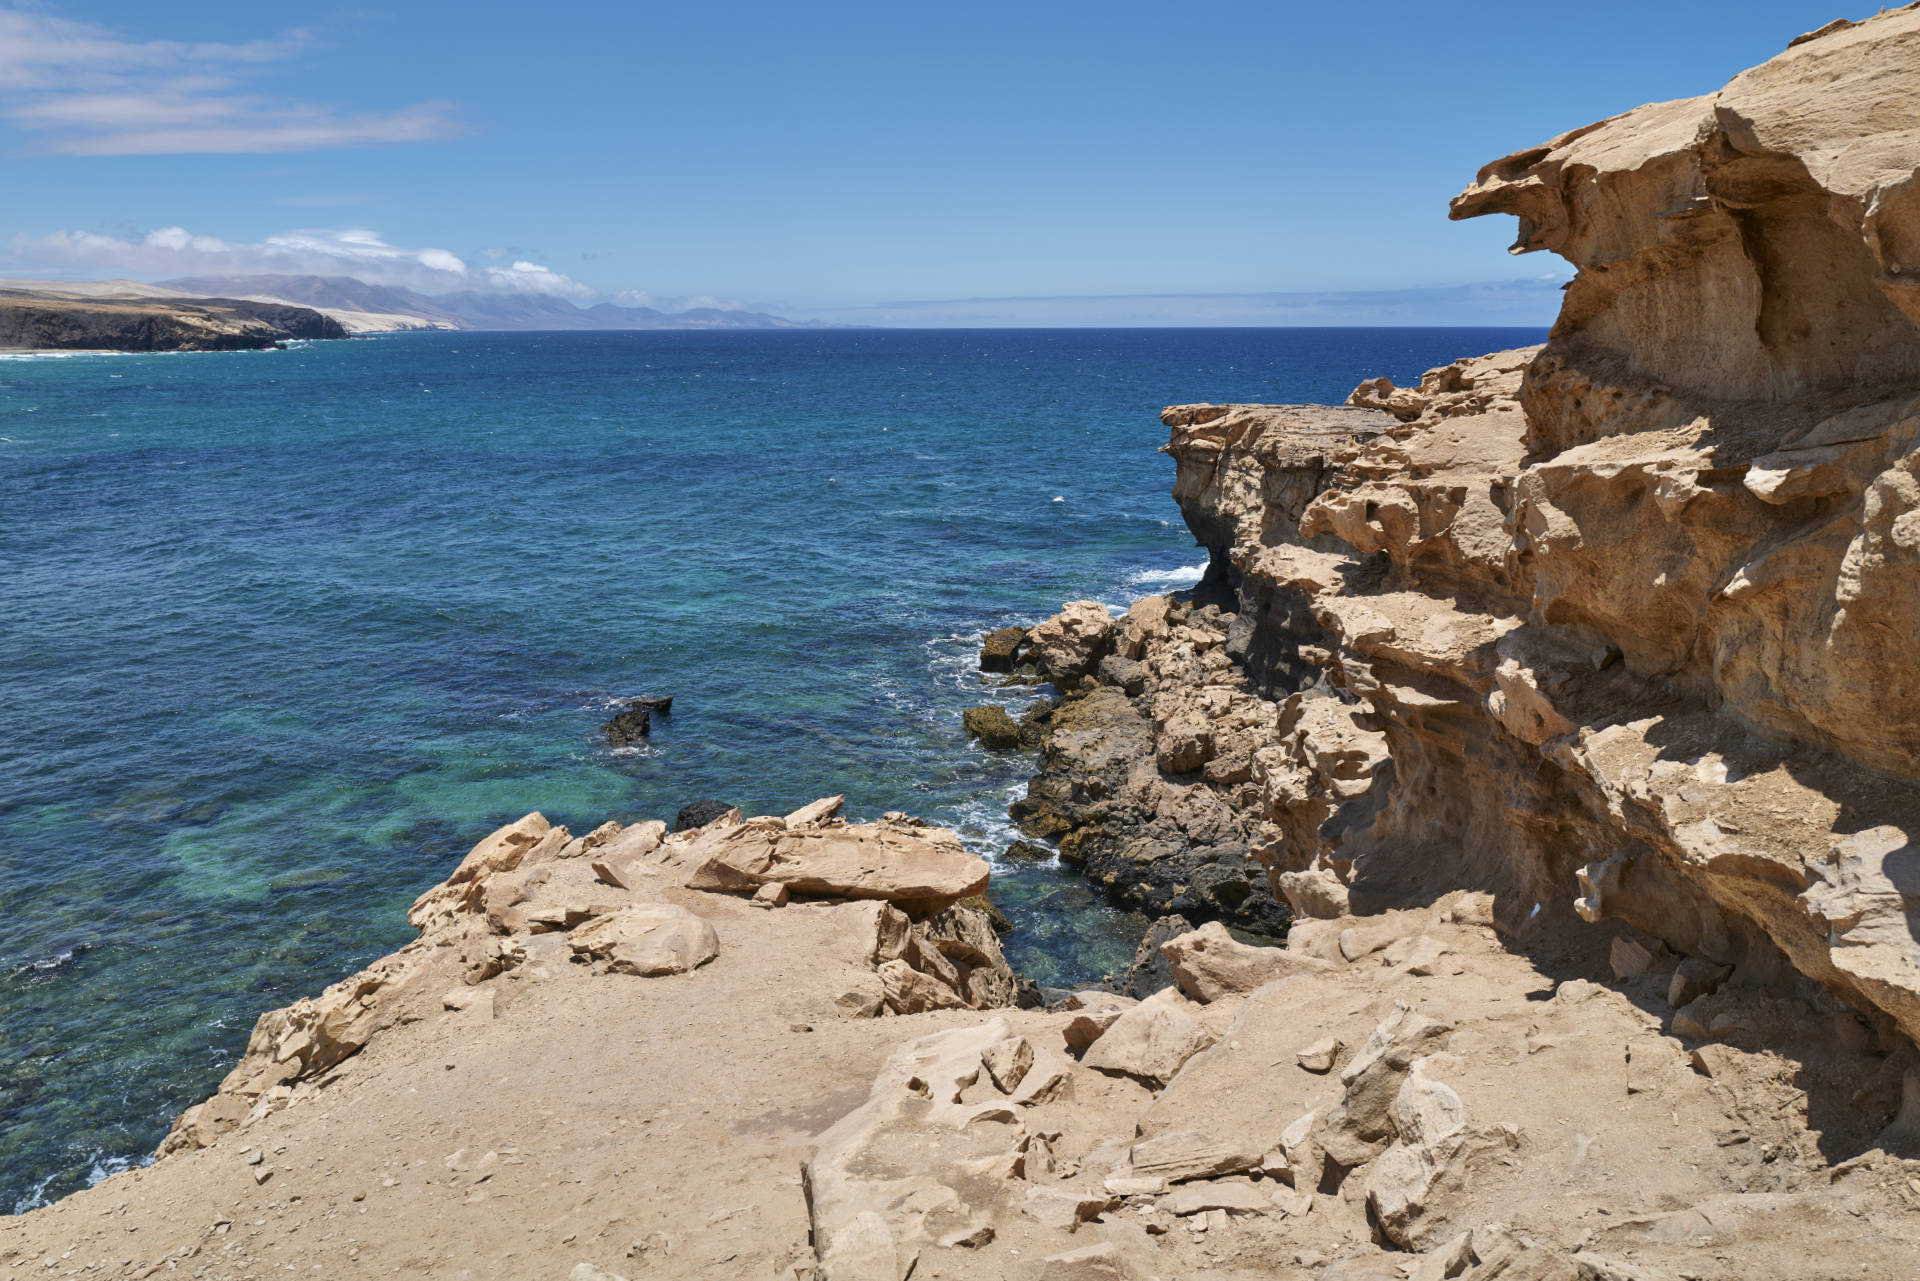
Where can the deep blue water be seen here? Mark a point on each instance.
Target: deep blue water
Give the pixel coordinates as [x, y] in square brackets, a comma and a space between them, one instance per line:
[283, 633]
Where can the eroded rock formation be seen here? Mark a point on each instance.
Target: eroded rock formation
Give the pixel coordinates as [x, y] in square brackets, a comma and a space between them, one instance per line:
[1563, 699]
[627, 901]
[1620, 629]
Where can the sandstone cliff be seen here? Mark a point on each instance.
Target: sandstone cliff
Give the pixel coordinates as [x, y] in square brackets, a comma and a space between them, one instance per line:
[1620, 629]
[1565, 702]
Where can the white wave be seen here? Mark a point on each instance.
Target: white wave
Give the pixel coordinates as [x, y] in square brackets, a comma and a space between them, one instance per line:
[985, 829]
[1170, 579]
[100, 1166]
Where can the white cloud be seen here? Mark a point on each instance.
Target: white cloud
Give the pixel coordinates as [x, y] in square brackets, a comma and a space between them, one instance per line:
[642, 298]
[167, 252]
[86, 90]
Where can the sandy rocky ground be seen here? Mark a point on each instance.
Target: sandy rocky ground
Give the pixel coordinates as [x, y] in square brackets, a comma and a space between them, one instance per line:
[1561, 711]
[1393, 1096]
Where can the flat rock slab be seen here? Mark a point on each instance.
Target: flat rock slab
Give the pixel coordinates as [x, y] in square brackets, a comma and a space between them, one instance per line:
[925, 867]
[1233, 1197]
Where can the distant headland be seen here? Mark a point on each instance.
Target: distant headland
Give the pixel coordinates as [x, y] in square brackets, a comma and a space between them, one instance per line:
[226, 313]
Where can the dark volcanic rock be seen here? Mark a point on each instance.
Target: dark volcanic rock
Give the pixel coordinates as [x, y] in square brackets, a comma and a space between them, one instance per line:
[1027, 852]
[628, 727]
[1129, 674]
[659, 706]
[991, 725]
[698, 814]
[1162, 842]
[1151, 972]
[1001, 649]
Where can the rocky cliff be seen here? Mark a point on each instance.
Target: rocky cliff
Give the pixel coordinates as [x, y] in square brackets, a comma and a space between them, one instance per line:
[1619, 629]
[44, 320]
[1557, 709]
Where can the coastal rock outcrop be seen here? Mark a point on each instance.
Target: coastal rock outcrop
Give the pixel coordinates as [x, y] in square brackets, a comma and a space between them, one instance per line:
[1602, 958]
[899, 859]
[1617, 629]
[50, 320]
[627, 900]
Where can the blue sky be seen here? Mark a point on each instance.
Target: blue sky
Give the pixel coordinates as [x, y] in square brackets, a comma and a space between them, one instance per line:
[896, 163]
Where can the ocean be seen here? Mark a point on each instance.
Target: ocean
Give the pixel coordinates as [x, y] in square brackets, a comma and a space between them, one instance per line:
[283, 633]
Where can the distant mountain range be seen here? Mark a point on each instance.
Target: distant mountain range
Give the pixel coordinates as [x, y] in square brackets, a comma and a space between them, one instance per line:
[365, 308]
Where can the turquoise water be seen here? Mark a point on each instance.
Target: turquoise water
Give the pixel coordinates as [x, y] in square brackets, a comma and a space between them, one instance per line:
[285, 632]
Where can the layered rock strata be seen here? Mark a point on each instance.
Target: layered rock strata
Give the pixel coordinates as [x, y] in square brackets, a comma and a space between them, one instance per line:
[1530, 699]
[1619, 630]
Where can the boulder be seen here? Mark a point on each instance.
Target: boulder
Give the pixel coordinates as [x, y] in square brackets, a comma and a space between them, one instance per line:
[659, 706]
[1183, 743]
[991, 725]
[1001, 649]
[967, 939]
[1008, 1062]
[1208, 963]
[1429, 1123]
[647, 939]
[1146, 619]
[908, 991]
[1094, 1013]
[1696, 977]
[1320, 1056]
[1629, 958]
[699, 814]
[1315, 893]
[1072, 642]
[1362, 1126]
[501, 850]
[1098, 1262]
[636, 841]
[628, 727]
[818, 813]
[1065, 1208]
[1151, 1041]
[924, 869]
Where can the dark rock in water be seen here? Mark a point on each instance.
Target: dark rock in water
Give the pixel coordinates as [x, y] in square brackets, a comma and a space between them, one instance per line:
[991, 725]
[1127, 673]
[659, 706]
[628, 727]
[1027, 852]
[1158, 844]
[1001, 649]
[698, 814]
[1151, 972]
